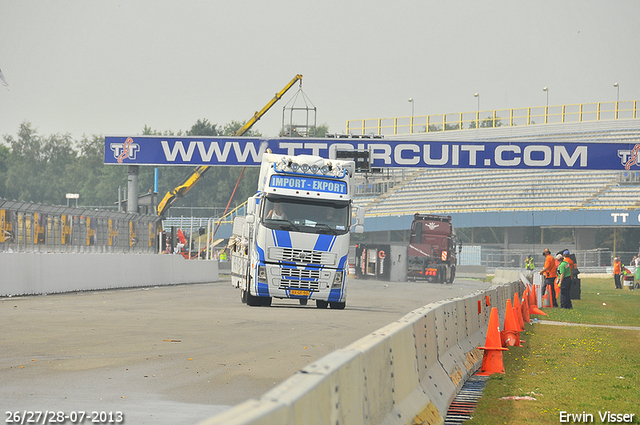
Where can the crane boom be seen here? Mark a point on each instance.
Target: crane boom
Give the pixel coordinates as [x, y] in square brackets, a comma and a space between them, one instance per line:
[197, 173]
[256, 116]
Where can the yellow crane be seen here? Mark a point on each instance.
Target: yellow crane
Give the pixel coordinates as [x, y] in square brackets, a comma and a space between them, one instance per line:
[197, 174]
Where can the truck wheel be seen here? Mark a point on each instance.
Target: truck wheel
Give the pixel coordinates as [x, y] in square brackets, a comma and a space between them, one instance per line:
[453, 274]
[252, 300]
[322, 304]
[338, 306]
[243, 296]
[303, 301]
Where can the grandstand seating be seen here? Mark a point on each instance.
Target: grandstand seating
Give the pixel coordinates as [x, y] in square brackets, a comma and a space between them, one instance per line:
[468, 190]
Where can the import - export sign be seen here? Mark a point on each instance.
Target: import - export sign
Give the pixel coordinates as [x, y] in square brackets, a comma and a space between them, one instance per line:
[245, 151]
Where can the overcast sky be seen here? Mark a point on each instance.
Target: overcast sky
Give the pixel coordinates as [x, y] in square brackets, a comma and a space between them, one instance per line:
[109, 67]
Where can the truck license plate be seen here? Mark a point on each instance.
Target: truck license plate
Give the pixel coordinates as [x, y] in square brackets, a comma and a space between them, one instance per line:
[299, 292]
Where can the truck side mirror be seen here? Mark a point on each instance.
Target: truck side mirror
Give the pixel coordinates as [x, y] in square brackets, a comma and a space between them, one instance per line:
[252, 203]
[252, 208]
[360, 216]
[358, 226]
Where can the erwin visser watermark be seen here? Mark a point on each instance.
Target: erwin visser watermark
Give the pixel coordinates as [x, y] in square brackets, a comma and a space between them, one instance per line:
[589, 418]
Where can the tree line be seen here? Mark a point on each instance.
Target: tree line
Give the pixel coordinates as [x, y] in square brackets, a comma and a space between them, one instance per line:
[44, 168]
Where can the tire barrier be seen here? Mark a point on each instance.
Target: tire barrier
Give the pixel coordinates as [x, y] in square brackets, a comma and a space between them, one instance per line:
[406, 372]
[29, 227]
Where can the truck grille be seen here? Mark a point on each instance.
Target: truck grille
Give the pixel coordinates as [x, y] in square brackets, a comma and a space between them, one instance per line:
[302, 279]
[304, 256]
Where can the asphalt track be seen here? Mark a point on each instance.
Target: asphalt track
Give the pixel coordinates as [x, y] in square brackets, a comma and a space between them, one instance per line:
[179, 354]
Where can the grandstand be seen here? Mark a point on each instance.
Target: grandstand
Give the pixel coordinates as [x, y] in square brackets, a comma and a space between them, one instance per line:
[445, 191]
[515, 200]
[475, 190]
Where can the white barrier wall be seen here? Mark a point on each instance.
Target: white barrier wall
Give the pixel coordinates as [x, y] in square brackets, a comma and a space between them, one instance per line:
[506, 276]
[473, 272]
[36, 273]
[406, 372]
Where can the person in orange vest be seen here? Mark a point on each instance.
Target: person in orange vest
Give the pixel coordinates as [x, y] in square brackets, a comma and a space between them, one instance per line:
[568, 259]
[617, 271]
[550, 275]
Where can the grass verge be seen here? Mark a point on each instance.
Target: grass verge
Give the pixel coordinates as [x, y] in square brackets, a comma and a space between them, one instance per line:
[600, 304]
[572, 369]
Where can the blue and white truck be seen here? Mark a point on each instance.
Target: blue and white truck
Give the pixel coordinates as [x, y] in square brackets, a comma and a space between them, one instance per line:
[293, 241]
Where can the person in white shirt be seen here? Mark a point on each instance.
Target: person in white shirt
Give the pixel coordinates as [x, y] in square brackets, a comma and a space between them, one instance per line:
[277, 213]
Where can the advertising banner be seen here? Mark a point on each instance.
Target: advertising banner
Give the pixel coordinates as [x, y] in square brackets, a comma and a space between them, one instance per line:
[246, 151]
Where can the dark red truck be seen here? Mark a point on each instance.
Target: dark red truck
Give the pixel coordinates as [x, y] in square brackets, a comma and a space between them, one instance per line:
[433, 249]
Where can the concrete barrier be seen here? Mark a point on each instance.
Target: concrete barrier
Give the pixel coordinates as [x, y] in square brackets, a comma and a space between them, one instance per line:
[406, 372]
[39, 273]
[506, 275]
[473, 272]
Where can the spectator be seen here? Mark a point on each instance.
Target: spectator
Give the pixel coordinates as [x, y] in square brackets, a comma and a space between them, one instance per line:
[637, 264]
[564, 281]
[566, 255]
[528, 263]
[557, 260]
[550, 275]
[617, 271]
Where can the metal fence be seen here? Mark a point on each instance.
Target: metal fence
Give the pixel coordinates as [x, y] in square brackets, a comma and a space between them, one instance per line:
[29, 227]
[199, 236]
[580, 112]
[589, 261]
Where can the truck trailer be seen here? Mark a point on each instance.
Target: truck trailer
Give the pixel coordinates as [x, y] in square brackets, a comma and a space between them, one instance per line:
[293, 241]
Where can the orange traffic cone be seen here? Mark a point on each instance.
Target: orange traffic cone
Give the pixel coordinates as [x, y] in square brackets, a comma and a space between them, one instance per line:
[510, 335]
[517, 310]
[532, 297]
[533, 308]
[492, 358]
[525, 309]
[545, 300]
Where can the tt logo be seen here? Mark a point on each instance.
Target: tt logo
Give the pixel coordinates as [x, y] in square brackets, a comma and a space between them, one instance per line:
[432, 225]
[126, 150]
[630, 157]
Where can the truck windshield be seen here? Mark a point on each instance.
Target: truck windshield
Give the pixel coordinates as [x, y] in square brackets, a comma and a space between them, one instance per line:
[305, 215]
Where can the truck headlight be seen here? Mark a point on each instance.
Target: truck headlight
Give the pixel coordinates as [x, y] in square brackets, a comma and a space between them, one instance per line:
[262, 274]
[337, 279]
